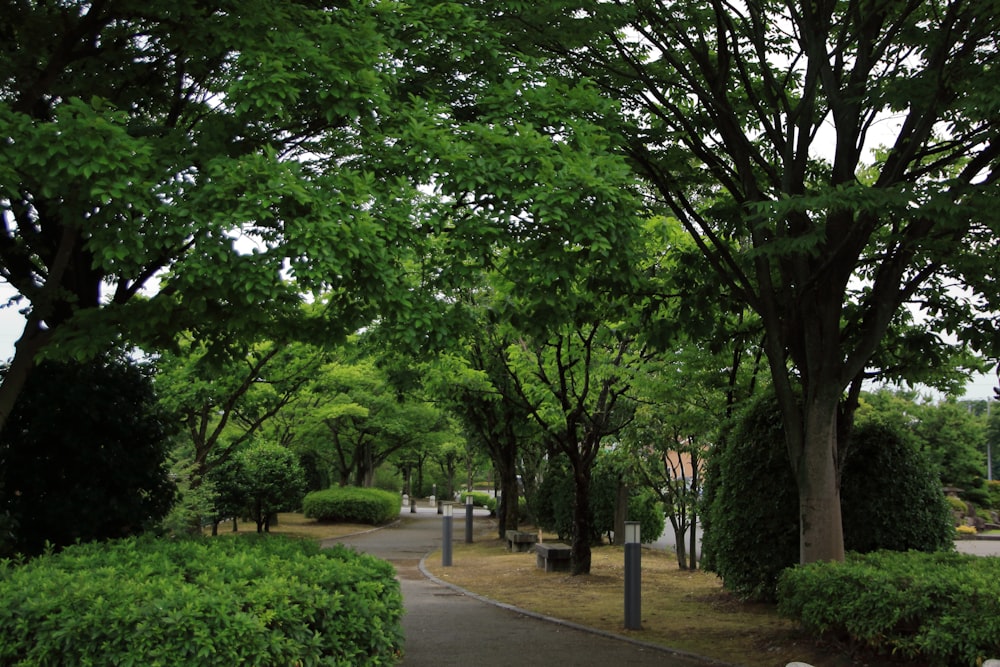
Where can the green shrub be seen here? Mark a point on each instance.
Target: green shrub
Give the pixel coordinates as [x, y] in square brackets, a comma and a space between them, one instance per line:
[83, 456]
[890, 495]
[482, 499]
[751, 530]
[351, 504]
[993, 489]
[235, 601]
[941, 608]
[890, 499]
[957, 504]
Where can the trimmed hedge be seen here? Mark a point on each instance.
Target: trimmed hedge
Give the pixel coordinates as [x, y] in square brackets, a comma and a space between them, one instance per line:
[254, 601]
[481, 498]
[351, 504]
[942, 608]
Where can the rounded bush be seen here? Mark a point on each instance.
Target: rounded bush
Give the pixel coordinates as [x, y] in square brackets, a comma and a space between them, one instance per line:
[222, 602]
[890, 496]
[751, 530]
[351, 504]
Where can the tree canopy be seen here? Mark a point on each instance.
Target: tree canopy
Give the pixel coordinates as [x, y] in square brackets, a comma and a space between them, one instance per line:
[835, 162]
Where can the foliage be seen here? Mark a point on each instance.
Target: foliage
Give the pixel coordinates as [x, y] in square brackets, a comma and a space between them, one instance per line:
[173, 166]
[480, 498]
[350, 419]
[229, 601]
[196, 502]
[762, 127]
[751, 519]
[889, 495]
[557, 495]
[258, 482]
[950, 435]
[942, 609]
[957, 504]
[352, 505]
[84, 455]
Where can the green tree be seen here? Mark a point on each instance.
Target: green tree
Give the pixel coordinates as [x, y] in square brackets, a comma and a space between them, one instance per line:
[84, 455]
[352, 419]
[224, 402]
[182, 166]
[260, 481]
[834, 161]
[574, 383]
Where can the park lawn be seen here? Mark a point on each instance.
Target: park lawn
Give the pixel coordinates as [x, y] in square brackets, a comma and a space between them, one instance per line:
[294, 524]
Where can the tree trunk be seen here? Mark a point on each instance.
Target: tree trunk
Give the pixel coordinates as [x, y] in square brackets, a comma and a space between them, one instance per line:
[581, 556]
[821, 531]
[679, 534]
[32, 340]
[507, 518]
[621, 513]
[693, 549]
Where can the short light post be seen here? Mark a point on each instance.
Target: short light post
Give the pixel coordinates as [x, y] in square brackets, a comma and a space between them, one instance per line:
[446, 536]
[468, 518]
[633, 577]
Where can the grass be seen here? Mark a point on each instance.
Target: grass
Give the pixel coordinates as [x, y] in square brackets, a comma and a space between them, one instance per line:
[296, 525]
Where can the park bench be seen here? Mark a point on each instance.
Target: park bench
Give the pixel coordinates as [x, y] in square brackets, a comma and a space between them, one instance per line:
[518, 540]
[553, 556]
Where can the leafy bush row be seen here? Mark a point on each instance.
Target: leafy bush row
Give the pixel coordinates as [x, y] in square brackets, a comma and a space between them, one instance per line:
[220, 602]
[482, 499]
[942, 608]
[352, 504]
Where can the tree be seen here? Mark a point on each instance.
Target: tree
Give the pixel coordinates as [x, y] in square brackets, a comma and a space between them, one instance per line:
[834, 161]
[352, 419]
[223, 403]
[260, 481]
[182, 166]
[84, 455]
[574, 383]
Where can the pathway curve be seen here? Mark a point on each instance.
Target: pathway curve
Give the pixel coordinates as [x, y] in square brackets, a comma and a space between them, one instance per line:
[446, 628]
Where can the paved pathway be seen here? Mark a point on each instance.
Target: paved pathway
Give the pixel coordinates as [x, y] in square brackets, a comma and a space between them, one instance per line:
[446, 628]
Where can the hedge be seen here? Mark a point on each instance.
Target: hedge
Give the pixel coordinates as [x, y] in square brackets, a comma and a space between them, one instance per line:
[941, 608]
[351, 504]
[252, 601]
[481, 498]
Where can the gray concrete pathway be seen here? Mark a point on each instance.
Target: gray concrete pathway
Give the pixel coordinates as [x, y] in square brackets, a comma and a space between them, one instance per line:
[446, 628]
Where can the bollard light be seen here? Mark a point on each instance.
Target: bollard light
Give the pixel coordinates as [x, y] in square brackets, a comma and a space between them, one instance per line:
[468, 518]
[446, 535]
[633, 577]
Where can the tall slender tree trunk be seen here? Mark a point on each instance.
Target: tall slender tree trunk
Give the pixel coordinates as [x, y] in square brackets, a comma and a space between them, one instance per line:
[507, 518]
[817, 470]
[581, 556]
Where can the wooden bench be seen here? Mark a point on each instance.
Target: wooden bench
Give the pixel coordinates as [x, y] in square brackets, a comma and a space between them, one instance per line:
[519, 541]
[553, 556]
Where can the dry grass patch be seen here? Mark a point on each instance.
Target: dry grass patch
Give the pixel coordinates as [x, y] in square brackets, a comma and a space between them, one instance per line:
[680, 609]
[294, 524]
